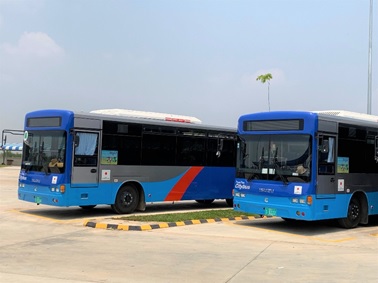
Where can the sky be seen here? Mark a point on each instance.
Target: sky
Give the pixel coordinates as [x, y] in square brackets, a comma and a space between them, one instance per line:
[197, 58]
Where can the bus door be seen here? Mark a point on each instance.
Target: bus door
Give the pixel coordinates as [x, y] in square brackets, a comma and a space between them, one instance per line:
[327, 183]
[85, 159]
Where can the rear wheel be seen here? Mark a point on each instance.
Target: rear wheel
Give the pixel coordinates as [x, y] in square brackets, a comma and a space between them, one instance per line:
[126, 200]
[354, 215]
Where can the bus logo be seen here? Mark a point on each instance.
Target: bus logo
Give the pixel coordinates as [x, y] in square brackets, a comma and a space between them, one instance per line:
[240, 185]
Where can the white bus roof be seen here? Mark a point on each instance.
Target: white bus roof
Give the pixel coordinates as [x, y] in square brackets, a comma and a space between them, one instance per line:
[149, 115]
[349, 114]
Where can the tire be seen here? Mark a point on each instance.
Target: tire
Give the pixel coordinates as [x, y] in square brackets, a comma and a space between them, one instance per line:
[354, 215]
[87, 207]
[126, 201]
[230, 202]
[205, 201]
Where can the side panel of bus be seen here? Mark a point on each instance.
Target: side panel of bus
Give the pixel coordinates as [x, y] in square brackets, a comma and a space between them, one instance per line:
[85, 167]
[326, 141]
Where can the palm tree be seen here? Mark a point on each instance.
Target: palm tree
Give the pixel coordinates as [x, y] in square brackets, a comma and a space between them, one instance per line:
[263, 79]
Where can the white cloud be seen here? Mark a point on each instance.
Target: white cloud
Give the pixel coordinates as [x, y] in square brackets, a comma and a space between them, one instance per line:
[29, 59]
[34, 44]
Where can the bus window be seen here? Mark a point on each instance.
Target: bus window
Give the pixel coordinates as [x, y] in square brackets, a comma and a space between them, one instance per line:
[85, 149]
[326, 155]
[44, 150]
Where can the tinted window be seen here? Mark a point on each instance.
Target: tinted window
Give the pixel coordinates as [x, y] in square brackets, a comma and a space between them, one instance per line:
[158, 150]
[191, 151]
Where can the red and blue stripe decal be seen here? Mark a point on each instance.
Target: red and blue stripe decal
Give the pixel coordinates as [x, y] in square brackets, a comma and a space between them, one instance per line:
[182, 185]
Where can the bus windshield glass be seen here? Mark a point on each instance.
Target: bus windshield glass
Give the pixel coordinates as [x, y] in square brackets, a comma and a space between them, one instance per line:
[274, 157]
[44, 151]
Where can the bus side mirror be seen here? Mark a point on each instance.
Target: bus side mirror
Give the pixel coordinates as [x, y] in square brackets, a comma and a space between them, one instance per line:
[324, 147]
[219, 147]
[76, 140]
[376, 148]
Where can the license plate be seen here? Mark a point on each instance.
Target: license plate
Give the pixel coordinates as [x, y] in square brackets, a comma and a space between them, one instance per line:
[270, 211]
[38, 200]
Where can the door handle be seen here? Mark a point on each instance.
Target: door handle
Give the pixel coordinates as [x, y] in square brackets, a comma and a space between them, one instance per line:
[93, 170]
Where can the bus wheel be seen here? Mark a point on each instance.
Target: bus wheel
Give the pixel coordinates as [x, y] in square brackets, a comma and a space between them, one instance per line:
[230, 202]
[354, 215]
[205, 201]
[126, 201]
[87, 207]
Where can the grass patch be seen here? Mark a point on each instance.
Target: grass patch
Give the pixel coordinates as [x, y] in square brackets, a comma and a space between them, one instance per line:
[196, 215]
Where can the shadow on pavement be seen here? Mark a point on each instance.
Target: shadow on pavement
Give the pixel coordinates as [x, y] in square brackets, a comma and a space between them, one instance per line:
[304, 228]
[71, 213]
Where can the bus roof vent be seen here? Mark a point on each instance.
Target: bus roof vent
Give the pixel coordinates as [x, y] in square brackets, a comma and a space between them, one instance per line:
[149, 115]
[349, 114]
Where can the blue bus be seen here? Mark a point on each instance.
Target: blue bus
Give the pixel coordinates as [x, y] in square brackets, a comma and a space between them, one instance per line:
[308, 166]
[124, 159]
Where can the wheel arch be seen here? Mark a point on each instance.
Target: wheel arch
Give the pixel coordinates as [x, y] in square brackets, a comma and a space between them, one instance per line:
[138, 186]
[362, 198]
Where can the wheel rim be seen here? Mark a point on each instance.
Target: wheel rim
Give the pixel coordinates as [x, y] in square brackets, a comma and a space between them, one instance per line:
[354, 211]
[127, 199]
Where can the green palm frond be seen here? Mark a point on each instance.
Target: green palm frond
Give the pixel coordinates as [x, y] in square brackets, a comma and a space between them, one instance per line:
[265, 78]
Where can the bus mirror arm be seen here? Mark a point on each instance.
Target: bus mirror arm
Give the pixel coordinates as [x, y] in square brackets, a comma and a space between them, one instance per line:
[76, 140]
[376, 149]
[324, 148]
[219, 147]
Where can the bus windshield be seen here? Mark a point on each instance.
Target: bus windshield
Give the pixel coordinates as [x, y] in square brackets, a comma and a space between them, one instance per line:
[44, 151]
[274, 157]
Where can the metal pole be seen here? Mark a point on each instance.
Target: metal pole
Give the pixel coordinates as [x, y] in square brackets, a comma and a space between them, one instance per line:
[4, 139]
[370, 58]
[4, 152]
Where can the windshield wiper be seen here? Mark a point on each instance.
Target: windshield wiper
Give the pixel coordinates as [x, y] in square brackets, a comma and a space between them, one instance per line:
[277, 170]
[277, 166]
[253, 177]
[27, 166]
[261, 160]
